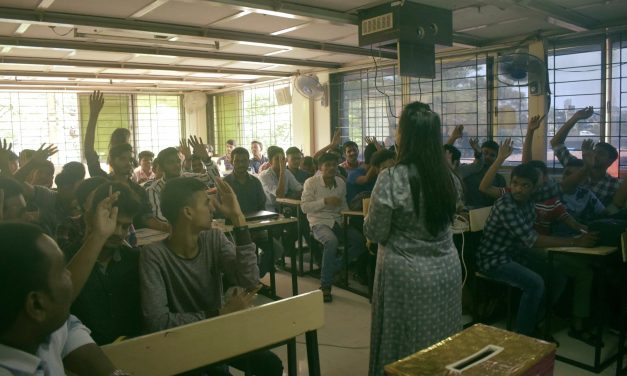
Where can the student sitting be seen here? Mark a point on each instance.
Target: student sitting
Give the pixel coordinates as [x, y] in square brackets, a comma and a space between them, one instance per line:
[597, 180]
[37, 334]
[324, 197]
[473, 173]
[258, 158]
[109, 302]
[277, 181]
[294, 158]
[13, 205]
[144, 172]
[362, 178]
[580, 202]
[225, 162]
[181, 277]
[308, 165]
[505, 252]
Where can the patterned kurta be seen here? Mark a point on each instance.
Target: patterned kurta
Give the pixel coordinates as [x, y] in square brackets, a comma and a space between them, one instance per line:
[417, 291]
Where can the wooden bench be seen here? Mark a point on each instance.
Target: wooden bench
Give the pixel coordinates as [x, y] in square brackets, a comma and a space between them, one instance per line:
[211, 341]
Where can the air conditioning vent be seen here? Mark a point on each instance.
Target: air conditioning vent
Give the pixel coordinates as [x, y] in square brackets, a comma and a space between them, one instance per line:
[377, 24]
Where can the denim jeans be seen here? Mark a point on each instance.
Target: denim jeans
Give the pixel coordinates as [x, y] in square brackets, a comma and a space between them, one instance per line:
[526, 278]
[330, 239]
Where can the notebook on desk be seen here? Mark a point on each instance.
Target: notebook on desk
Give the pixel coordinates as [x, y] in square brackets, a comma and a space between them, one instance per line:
[258, 216]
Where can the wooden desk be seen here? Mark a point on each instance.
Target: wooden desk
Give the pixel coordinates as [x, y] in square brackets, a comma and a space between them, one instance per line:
[601, 251]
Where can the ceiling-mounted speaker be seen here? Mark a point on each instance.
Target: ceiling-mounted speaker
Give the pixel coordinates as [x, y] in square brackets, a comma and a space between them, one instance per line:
[283, 96]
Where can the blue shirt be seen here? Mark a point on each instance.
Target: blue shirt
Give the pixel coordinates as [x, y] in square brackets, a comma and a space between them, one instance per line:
[250, 194]
[255, 164]
[352, 188]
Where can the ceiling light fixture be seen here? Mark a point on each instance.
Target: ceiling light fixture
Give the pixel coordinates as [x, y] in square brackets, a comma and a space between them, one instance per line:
[22, 28]
[256, 44]
[565, 25]
[277, 52]
[6, 49]
[290, 29]
[148, 8]
[45, 4]
[472, 28]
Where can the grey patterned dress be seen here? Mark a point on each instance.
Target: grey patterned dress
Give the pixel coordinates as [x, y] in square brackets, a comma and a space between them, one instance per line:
[417, 290]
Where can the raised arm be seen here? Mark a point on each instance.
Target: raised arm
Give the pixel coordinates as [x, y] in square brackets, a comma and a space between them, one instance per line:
[335, 142]
[532, 127]
[560, 136]
[457, 133]
[571, 181]
[187, 154]
[96, 102]
[486, 187]
[43, 153]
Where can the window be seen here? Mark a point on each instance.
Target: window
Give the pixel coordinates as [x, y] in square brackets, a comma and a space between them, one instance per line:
[29, 119]
[618, 98]
[158, 122]
[252, 114]
[116, 113]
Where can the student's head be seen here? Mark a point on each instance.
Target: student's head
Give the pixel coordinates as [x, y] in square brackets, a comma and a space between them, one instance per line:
[572, 167]
[240, 158]
[453, 155]
[35, 286]
[524, 181]
[185, 201]
[256, 147]
[13, 162]
[308, 165]
[145, 159]
[86, 189]
[294, 156]
[169, 162]
[351, 151]
[43, 174]
[230, 145]
[604, 155]
[156, 169]
[544, 171]
[25, 156]
[369, 150]
[121, 159]
[127, 204]
[70, 177]
[489, 150]
[197, 166]
[14, 204]
[328, 165]
[419, 144]
[276, 156]
[383, 159]
[120, 136]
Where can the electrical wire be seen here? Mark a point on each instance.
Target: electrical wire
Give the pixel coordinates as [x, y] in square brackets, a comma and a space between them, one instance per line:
[376, 73]
[53, 28]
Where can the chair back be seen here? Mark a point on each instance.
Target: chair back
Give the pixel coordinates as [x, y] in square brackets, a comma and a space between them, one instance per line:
[478, 218]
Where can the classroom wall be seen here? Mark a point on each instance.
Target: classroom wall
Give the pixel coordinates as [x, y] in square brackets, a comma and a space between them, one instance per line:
[196, 123]
[321, 132]
[302, 122]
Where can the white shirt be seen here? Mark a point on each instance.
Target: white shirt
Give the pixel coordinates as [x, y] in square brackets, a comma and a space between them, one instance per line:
[270, 183]
[49, 359]
[140, 176]
[312, 201]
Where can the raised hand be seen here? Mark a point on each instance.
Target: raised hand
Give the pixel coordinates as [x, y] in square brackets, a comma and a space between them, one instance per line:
[534, 123]
[44, 152]
[104, 219]
[505, 150]
[228, 205]
[200, 149]
[587, 152]
[4, 154]
[337, 138]
[184, 149]
[458, 132]
[474, 144]
[96, 102]
[584, 113]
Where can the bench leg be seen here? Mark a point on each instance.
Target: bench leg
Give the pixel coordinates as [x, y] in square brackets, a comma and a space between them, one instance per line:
[292, 362]
[313, 359]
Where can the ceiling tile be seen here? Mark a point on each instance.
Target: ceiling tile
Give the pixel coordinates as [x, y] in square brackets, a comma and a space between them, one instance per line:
[37, 52]
[246, 48]
[26, 4]
[124, 71]
[207, 75]
[98, 55]
[322, 32]
[7, 28]
[110, 8]
[341, 58]
[189, 13]
[247, 65]
[299, 53]
[166, 73]
[70, 69]
[259, 23]
[42, 31]
[243, 77]
[23, 67]
[153, 59]
[202, 62]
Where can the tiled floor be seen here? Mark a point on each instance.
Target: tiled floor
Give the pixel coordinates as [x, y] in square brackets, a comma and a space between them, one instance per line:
[345, 338]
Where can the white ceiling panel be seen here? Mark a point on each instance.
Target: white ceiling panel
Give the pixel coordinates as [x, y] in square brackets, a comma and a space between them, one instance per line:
[207, 75]
[42, 31]
[27, 4]
[340, 58]
[166, 73]
[243, 77]
[531, 25]
[8, 28]
[344, 5]
[124, 71]
[111, 8]
[202, 62]
[322, 32]
[299, 53]
[189, 13]
[70, 69]
[249, 49]
[488, 15]
[100, 55]
[22, 67]
[153, 59]
[351, 40]
[37, 52]
[260, 23]
[247, 65]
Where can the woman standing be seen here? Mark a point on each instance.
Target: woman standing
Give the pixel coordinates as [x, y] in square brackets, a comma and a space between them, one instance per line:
[417, 292]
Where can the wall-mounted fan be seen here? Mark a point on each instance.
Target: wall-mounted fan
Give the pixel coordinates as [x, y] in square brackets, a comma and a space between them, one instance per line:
[194, 101]
[522, 69]
[310, 87]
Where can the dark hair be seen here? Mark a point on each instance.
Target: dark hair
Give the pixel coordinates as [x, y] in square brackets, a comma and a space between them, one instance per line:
[155, 162]
[71, 173]
[239, 151]
[119, 136]
[611, 150]
[369, 150]
[382, 156]
[326, 157]
[11, 188]
[258, 143]
[86, 187]
[12, 156]
[23, 268]
[293, 150]
[167, 152]
[117, 150]
[146, 154]
[309, 161]
[274, 150]
[127, 202]
[178, 193]
[420, 146]
[456, 155]
[349, 144]
[575, 163]
[196, 158]
[27, 153]
[490, 144]
[45, 165]
[540, 165]
[526, 171]
[230, 142]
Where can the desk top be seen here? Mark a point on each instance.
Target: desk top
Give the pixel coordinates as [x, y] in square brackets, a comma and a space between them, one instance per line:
[288, 201]
[595, 251]
[353, 213]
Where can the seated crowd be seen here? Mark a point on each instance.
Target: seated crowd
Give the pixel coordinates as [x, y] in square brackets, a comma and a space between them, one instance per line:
[72, 275]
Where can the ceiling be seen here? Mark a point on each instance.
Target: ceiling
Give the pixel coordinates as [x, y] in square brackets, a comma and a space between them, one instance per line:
[209, 45]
